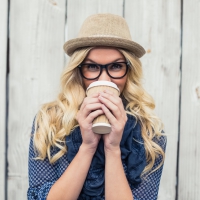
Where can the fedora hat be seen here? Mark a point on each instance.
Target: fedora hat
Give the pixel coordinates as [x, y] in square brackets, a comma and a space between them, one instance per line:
[104, 30]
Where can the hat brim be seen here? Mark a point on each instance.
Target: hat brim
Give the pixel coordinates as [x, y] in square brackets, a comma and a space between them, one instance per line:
[73, 44]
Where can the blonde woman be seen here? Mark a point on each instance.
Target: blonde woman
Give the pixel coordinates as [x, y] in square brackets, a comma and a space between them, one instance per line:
[67, 160]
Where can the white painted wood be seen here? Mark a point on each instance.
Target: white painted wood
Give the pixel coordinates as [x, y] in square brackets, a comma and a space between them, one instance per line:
[156, 26]
[3, 63]
[78, 10]
[36, 62]
[189, 158]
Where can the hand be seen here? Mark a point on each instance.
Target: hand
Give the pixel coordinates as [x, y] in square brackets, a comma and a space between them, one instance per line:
[90, 109]
[113, 108]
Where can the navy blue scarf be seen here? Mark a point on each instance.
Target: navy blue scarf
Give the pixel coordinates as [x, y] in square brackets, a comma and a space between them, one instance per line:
[132, 155]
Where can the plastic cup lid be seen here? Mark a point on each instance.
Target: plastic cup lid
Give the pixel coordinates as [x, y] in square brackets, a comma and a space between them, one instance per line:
[101, 128]
[106, 83]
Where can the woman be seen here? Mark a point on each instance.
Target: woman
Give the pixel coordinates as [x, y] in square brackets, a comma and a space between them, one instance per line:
[67, 160]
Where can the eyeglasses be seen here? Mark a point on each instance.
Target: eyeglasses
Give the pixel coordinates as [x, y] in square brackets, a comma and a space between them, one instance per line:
[115, 70]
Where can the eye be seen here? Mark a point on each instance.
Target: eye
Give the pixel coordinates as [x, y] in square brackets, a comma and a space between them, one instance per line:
[91, 67]
[116, 66]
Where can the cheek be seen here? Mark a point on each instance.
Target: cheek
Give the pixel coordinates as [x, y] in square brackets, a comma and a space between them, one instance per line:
[120, 83]
[87, 83]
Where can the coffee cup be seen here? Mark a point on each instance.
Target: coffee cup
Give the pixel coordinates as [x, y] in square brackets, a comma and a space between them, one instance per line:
[101, 124]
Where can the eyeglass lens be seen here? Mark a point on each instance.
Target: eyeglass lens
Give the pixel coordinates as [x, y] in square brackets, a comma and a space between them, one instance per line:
[115, 70]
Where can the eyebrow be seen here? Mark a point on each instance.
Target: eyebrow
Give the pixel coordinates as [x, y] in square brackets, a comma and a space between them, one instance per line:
[88, 59]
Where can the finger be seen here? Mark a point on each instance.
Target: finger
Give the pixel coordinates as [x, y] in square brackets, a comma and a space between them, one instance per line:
[115, 99]
[109, 115]
[117, 124]
[91, 99]
[90, 108]
[93, 115]
[115, 109]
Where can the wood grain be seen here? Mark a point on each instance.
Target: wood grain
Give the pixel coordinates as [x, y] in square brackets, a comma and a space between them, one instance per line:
[86, 8]
[3, 66]
[189, 158]
[38, 31]
[36, 62]
[156, 26]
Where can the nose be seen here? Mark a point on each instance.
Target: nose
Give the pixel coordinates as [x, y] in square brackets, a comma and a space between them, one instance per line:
[104, 76]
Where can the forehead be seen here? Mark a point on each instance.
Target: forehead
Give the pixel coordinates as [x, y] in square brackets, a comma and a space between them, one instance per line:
[104, 54]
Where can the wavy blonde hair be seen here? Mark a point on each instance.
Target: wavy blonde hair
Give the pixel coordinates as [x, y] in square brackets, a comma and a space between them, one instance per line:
[55, 120]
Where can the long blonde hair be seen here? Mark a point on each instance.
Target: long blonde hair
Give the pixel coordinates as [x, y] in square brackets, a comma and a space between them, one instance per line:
[56, 119]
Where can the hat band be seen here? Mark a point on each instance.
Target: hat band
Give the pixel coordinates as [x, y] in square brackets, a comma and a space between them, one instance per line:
[106, 36]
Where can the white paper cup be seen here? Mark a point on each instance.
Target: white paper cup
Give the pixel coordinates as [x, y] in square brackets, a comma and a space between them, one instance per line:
[101, 124]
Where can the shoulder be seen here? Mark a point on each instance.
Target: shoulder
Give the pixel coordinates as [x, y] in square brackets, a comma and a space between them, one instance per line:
[161, 141]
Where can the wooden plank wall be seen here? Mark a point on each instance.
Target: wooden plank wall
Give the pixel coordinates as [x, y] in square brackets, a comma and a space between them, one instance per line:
[36, 62]
[155, 32]
[86, 8]
[156, 25]
[189, 157]
[38, 30]
[3, 66]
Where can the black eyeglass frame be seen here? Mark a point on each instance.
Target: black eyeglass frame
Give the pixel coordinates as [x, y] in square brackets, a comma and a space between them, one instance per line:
[104, 67]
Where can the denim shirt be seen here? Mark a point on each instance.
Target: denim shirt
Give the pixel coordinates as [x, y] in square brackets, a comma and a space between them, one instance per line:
[42, 174]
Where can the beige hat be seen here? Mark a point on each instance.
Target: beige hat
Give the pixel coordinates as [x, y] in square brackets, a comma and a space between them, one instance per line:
[104, 30]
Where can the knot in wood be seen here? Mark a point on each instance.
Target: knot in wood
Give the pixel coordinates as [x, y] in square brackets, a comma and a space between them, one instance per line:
[198, 92]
